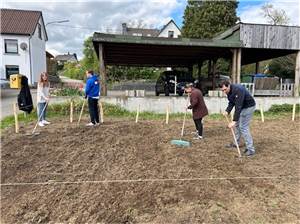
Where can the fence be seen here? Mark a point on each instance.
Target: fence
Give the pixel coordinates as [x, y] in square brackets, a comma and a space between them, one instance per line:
[281, 89]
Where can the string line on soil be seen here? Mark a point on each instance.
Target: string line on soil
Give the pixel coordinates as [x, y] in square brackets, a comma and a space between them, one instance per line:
[52, 182]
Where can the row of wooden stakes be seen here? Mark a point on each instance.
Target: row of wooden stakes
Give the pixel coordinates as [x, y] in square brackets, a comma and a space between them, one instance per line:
[136, 117]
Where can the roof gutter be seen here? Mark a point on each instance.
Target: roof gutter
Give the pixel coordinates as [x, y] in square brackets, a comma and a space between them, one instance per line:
[30, 58]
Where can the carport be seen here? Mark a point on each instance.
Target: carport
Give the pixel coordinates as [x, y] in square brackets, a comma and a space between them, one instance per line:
[243, 44]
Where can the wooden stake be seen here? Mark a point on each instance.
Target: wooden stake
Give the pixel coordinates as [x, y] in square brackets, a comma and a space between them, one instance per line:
[167, 114]
[81, 112]
[137, 114]
[294, 112]
[262, 113]
[101, 112]
[71, 111]
[16, 118]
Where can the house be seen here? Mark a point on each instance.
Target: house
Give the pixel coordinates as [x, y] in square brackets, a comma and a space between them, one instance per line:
[23, 39]
[170, 30]
[63, 58]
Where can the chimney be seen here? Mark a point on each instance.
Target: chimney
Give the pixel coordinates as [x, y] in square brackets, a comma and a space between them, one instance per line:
[124, 28]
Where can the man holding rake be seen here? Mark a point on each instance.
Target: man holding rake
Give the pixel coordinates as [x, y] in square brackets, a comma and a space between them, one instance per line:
[239, 97]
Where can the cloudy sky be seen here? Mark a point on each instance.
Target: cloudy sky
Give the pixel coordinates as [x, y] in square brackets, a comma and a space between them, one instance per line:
[88, 16]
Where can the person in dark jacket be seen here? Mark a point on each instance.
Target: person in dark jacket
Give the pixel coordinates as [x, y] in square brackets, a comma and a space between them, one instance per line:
[92, 93]
[244, 104]
[198, 107]
[24, 97]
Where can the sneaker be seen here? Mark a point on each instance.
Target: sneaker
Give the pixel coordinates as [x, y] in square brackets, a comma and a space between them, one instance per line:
[229, 146]
[250, 153]
[90, 124]
[198, 137]
[97, 124]
[46, 122]
[41, 124]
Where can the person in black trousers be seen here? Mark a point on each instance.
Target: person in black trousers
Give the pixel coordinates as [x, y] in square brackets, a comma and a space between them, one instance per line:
[92, 93]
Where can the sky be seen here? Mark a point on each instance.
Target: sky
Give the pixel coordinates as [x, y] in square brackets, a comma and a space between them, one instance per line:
[88, 16]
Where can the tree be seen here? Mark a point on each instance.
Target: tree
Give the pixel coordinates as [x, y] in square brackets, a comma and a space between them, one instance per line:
[204, 19]
[275, 16]
[90, 60]
[283, 67]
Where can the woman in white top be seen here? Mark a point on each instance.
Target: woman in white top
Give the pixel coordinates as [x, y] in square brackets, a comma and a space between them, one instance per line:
[43, 98]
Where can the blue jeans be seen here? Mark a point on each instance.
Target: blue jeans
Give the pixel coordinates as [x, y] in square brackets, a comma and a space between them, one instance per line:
[40, 107]
[242, 128]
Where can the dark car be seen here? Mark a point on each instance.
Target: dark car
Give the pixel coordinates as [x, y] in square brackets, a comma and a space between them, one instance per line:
[165, 84]
[206, 84]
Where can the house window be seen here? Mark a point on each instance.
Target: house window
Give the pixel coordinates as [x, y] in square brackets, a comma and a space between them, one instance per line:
[11, 46]
[170, 33]
[11, 69]
[137, 34]
[40, 31]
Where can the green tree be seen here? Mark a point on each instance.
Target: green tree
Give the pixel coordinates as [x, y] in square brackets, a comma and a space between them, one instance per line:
[283, 67]
[90, 60]
[204, 19]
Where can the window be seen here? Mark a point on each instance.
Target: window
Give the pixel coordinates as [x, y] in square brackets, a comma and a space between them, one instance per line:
[11, 46]
[170, 33]
[40, 31]
[11, 69]
[137, 34]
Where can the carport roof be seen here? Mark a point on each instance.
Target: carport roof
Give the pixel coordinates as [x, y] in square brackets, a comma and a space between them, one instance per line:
[172, 52]
[160, 51]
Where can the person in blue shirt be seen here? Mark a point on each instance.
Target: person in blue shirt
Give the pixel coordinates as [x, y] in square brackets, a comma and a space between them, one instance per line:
[239, 97]
[92, 93]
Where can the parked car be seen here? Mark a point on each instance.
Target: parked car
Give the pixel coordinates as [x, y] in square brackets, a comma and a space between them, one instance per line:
[205, 84]
[165, 84]
[4, 83]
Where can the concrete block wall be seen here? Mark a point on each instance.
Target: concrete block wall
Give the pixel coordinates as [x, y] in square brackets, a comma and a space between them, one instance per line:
[178, 104]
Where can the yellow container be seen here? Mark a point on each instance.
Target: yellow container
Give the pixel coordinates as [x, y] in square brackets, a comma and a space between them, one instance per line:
[15, 81]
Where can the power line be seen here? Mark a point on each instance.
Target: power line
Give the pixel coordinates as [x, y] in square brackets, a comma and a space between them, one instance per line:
[88, 28]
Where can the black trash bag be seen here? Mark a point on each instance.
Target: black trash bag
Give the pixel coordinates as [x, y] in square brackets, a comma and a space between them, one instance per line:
[24, 97]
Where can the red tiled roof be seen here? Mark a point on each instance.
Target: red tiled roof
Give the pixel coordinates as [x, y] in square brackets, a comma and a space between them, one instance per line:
[14, 21]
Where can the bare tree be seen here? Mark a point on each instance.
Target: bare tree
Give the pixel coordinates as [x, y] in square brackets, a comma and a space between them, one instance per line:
[275, 16]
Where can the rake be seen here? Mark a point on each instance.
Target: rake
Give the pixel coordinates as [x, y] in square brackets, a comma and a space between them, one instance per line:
[181, 142]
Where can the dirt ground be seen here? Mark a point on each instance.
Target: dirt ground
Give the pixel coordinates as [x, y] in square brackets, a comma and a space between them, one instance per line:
[122, 150]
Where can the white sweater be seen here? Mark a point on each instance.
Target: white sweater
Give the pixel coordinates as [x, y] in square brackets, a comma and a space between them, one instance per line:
[42, 93]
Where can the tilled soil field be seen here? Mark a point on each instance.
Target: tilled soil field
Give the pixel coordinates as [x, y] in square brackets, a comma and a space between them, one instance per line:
[123, 172]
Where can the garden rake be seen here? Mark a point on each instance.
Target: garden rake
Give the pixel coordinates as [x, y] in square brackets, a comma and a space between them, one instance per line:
[181, 142]
[235, 141]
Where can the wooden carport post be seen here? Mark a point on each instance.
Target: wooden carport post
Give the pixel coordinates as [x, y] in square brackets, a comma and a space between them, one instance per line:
[256, 67]
[233, 66]
[238, 65]
[297, 75]
[102, 71]
[214, 69]
[200, 63]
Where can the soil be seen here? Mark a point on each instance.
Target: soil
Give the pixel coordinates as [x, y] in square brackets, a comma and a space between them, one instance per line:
[123, 150]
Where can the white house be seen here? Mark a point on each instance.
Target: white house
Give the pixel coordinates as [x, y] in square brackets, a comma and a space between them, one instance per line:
[23, 39]
[170, 30]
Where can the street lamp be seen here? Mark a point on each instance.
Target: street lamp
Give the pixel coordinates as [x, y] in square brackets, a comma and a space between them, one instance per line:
[58, 21]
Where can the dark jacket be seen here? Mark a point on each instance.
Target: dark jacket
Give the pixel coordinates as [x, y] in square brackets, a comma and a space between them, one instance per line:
[240, 98]
[24, 97]
[198, 106]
